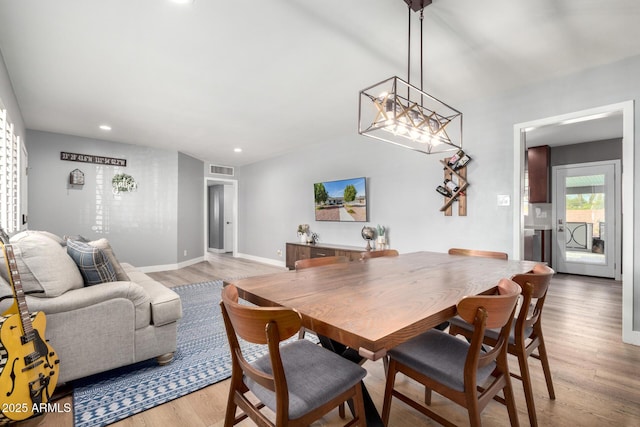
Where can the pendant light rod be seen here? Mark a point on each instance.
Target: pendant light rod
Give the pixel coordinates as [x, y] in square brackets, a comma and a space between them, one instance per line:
[409, 48]
[421, 41]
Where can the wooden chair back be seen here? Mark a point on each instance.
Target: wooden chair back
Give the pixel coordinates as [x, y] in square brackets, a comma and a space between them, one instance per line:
[378, 254]
[498, 306]
[534, 288]
[489, 312]
[318, 262]
[248, 323]
[478, 253]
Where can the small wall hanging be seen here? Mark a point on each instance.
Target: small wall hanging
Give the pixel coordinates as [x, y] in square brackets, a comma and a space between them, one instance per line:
[123, 183]
[76, 177]
[454, 188]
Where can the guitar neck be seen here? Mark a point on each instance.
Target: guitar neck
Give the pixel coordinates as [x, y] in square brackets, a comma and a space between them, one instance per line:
[18, 292]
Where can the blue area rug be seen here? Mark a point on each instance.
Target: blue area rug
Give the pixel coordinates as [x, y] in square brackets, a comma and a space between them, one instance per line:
[202, 359]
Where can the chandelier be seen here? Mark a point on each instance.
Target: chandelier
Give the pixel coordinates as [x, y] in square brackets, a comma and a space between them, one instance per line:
[395, 111]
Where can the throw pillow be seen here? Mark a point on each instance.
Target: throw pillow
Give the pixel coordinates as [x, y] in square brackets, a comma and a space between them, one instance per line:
[92, 263]
[48, 234]
[77, 238]
[104, 245]
[43, 265]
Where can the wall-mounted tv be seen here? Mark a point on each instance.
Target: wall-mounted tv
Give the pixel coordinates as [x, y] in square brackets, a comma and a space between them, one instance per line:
[344, 200]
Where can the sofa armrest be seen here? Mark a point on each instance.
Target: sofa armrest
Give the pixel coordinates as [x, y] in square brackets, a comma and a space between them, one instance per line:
[166, 306]
[85, 297]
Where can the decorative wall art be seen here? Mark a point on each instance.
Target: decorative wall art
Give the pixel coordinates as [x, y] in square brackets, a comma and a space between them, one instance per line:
[123, 183]
[89, 158]
[76, 177]
[344, 200]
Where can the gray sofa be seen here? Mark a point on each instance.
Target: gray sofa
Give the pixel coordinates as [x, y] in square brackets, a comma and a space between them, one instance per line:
[98, 327]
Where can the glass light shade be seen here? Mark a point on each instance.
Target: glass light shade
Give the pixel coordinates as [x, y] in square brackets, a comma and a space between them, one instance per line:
[395, 111]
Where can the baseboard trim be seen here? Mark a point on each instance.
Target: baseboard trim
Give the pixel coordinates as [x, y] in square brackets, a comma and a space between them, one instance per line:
[269, 261]
[169, 267]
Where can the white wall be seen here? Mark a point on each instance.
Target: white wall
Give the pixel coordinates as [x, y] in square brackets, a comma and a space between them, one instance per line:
[141, 225]
[9, 99]
[190, 245]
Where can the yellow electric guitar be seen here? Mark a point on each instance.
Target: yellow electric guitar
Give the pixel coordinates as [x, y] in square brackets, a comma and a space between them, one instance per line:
[29, 366]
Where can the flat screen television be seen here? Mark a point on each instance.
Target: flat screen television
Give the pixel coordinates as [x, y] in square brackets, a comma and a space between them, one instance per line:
[343, 200]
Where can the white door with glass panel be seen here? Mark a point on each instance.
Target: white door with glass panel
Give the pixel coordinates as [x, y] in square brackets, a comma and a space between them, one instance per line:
[587, 216]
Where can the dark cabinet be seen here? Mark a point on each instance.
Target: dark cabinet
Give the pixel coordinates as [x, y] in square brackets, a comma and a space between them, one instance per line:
[538, 166]
[296, 251]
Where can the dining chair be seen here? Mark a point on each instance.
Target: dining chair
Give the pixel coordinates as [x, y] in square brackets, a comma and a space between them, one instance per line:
[326, 342]
[526, 334]
[302, 264]
[299, 381]
[475, 252]
[457, 369]
[378, 254]
[320, 261]
[472, 252]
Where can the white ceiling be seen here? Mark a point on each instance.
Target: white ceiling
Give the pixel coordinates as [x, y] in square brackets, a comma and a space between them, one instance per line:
[270, 76]
[587, 129]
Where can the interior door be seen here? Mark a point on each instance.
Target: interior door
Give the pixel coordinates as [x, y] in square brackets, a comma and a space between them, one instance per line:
[585, 218]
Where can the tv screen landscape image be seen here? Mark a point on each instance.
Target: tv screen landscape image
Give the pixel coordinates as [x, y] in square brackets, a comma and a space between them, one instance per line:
[344, 200]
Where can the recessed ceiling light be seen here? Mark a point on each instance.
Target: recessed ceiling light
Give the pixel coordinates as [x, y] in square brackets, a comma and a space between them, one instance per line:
[105, 127]
[238, 150]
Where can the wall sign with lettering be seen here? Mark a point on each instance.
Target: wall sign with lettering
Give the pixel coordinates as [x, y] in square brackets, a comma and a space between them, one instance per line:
[89, 158]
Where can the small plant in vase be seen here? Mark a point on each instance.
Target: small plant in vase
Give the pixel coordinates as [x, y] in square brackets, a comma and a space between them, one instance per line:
[381, 241]
[303, 232]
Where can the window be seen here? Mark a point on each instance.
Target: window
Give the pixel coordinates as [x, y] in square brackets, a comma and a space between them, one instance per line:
[9, 174]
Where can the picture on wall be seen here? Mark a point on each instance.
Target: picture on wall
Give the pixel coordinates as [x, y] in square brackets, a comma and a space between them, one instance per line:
[343, 200]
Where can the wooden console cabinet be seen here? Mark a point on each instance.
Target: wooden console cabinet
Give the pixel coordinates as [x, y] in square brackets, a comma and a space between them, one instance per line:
[296, 251]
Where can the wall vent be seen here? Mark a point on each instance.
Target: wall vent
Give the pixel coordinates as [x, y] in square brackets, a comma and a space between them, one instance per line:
[221, 170]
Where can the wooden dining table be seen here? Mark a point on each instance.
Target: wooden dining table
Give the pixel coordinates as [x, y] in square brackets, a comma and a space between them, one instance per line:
[376, 304]
[373, 305]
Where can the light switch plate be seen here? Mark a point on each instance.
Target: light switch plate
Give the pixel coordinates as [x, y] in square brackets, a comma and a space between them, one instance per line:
[504, 200]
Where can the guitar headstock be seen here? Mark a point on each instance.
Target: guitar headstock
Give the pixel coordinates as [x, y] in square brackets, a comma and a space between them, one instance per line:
[4, 237]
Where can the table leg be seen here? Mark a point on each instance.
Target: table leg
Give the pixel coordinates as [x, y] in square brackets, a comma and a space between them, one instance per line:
[371, 413]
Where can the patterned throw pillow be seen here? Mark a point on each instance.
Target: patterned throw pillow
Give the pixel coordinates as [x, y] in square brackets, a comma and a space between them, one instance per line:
[103, 244]
[92, 263]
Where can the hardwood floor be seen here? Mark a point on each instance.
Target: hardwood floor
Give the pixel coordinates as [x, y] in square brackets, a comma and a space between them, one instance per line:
[594, 373]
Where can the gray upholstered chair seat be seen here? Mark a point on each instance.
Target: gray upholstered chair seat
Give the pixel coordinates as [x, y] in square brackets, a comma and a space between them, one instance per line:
[492, 333]
[310, 383]
[439, 356]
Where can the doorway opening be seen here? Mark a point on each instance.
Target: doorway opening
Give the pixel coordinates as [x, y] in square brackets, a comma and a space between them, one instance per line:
[586, 218]
[221, 216]
[630, 329]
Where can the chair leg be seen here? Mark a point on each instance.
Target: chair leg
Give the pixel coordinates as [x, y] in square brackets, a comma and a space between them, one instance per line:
[542, 352]
[528, 391]
[301, 333]
[388, 390]
[427, 396]
[474, 413]
[341, 411]
[358, 407]
[510, 401]
[230, 414]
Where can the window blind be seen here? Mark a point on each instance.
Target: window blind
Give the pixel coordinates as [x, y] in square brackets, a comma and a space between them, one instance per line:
[9, 173]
